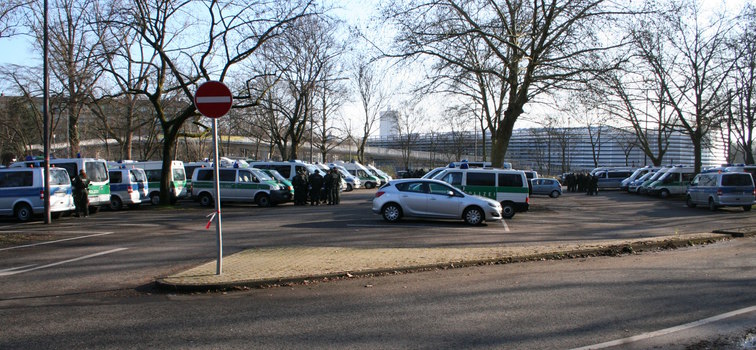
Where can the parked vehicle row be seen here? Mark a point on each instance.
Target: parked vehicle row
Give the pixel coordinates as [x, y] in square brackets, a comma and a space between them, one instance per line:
[122, 184]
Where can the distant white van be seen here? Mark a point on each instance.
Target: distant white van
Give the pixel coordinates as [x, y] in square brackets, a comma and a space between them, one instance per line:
[154, 170]
[97, 173]
[674, 181]
[719, 189]
[125, 187]
[287, 169]
[22, 192]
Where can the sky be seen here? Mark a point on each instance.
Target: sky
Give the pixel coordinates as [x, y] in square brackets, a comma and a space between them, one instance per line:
[20, 49]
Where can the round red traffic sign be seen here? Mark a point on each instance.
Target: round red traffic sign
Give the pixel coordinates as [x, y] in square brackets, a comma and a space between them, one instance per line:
[213, 99]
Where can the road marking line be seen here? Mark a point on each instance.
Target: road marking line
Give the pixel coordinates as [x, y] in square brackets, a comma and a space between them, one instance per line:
[56, 241]
[17, 271]
[506, 227]
[669, 330]
[17, 268]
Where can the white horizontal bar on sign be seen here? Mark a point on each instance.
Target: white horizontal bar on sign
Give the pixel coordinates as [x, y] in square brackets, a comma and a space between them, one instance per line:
[214, 99]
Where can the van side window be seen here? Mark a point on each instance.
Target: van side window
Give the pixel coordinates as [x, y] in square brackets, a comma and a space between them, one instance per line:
[481, 179]
[736, 180]
[686, 177]
[707, 180]
[115, 177]
[72, 169]
[227, 175]
[154, 175]
[510, 180]
[205, 175]
[453, 178]
[245, 176]
[16, 179]
[284, 170]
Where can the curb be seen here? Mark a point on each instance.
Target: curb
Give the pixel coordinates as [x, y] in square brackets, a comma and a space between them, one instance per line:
[608, 250]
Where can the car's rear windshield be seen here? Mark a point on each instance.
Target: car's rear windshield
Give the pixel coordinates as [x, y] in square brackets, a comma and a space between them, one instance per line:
[737, 180]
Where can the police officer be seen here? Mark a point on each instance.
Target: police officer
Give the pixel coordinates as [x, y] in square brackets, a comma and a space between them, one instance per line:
[327, 187]
[80, 186]
[335, 187]
[300, 188]
[316, 184]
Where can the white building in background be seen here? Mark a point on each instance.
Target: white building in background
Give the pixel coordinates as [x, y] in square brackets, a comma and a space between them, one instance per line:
[389, 124]
[556, 150]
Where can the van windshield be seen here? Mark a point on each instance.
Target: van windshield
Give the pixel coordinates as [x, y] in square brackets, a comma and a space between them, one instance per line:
[139, 175]
[96, 171]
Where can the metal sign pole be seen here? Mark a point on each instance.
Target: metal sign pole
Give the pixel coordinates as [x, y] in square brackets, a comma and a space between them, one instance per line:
[216, 172]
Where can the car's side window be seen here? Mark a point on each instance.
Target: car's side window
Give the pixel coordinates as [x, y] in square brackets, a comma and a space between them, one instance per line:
[453, 178]
[439, 189]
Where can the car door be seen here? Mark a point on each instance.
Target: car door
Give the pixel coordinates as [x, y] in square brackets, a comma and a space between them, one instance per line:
[227, 184]
[414, 198]
[538, 186]
[245, 188]
[441, 204]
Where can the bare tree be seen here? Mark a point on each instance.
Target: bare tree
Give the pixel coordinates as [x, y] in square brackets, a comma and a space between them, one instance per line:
[742, 112]
[330, 97]
[372, 99]
[11, 12]
[74, 59]
[233, 32]
[407, 128]
[536, 46]
[693, 69]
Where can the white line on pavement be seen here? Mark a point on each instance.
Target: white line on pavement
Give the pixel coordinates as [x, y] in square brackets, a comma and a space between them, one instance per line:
[669, 330]
[17, 270]
[506, 227]
[56, 241]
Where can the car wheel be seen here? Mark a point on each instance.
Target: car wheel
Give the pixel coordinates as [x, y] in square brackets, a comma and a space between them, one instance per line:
[155, 199]
[712, 206]
[507, 210]
[349, 188]
[689, 202]
[206, 200]
[747, 208]
[664, 193]
[262, 200]
[369, 185]
[392, 212]
[116, 203]
[473, 216]
[23, 212]
[56, 215]
[554, 194]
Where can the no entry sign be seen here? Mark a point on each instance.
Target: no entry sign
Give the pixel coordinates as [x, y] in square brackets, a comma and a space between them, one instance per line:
[213, 99]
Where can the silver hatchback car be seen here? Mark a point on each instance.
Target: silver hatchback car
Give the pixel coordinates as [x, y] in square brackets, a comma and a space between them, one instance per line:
[428, 198]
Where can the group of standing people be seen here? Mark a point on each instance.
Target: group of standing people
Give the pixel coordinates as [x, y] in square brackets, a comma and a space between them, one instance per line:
[582, 182]
[320, 188]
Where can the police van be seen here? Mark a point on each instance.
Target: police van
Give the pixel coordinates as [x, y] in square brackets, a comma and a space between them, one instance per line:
[128, 186]
[508, 187]
[177, 179]
[287, 169]
[612, 178]
[97, 173]
[238, 185]
[674, 181]
[22, 192]
[718, 189]
[367, 178]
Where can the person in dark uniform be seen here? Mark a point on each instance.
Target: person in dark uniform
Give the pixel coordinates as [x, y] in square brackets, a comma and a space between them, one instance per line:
[327, 183]
[316, 184]
[300, 189]
[336, 187]
[80, 186]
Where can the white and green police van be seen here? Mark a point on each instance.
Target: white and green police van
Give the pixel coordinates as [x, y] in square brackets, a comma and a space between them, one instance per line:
[97, 173]
[367, 178]
[238, 185]
[674, 181]
[128, 185]
[508, 187]
[177, 179]
[22, 192]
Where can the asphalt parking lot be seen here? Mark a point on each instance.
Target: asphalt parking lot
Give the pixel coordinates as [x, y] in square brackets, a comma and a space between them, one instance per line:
[571, 217]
